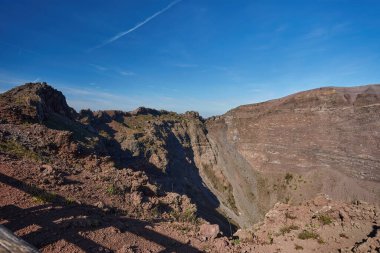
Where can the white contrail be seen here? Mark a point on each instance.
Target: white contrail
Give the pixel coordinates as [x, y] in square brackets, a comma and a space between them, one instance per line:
[121, 34]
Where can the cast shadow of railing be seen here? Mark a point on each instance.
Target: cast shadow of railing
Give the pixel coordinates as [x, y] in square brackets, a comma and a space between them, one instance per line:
[52, 220]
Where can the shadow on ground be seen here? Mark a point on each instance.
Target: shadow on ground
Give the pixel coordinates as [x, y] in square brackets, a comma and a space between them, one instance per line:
[54, 224]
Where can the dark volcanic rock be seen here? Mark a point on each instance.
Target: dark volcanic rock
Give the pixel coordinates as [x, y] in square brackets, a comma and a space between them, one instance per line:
[147, 111]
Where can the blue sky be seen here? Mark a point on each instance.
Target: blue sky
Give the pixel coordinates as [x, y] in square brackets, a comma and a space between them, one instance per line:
[208, 56]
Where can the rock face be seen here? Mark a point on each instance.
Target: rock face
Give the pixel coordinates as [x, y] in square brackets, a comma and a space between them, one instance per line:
[289, 149]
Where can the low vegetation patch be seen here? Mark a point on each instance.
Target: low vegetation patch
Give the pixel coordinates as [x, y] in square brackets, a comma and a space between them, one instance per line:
[41, 196]
[288, 229]
[45, 198]
[114, 190]
[325, 219]
[188, 215]
[288, 177]
[320, 240]
[104, 134]
[16, 149]
[231, 201]
[236, 241]
[70, 201]
[289, 216]
[218, 185]
[270, 239]
[306, 234]
[182, 227]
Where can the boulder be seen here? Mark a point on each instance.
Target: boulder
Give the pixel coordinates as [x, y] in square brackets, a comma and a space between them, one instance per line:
[46, 169]
[321, 200]
[244, 235]
[221, 244]
[136, 198]
[210, 231]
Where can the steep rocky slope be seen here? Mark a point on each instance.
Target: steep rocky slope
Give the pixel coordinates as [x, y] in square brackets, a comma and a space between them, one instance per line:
[323, 140]
[172, 148]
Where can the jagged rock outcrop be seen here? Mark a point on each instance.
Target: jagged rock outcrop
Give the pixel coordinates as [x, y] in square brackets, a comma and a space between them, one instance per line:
[34, 103]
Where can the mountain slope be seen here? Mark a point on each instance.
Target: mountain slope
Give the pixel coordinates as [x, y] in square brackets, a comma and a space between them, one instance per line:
[289, 149]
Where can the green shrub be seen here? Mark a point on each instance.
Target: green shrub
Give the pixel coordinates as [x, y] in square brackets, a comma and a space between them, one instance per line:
[320, 240]
[70, 201]
[16, 149]
[155, 212]
[305, 234]
[45, 197]
[104, 134]
[288, 229]
[41, 196]
[219, 186]
[189, 215]
[289, 216]
[288, 177]
[114, 190]
[270, 238]
[236, 241]
[325, 219]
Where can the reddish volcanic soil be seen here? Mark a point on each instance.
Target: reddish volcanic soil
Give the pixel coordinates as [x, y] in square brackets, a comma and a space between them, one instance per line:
[66, 222]
[57, 218]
